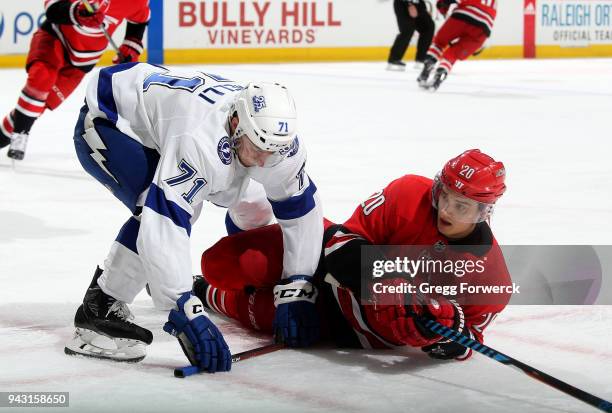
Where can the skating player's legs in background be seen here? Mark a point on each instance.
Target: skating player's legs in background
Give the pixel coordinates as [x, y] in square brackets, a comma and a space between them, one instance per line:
[456, 40]
[45, 59]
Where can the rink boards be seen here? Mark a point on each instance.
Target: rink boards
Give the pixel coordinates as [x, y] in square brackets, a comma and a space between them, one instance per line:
[238, 31]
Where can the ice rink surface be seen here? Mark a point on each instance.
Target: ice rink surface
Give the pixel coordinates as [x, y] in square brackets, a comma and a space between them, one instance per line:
[547, 120]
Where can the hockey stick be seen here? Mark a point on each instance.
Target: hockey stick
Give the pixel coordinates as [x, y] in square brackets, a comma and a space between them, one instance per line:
[182, 372]
[532, 372]
[92, 10]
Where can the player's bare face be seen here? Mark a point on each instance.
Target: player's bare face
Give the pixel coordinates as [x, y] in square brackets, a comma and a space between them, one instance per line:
[251, 155]
[456, 214]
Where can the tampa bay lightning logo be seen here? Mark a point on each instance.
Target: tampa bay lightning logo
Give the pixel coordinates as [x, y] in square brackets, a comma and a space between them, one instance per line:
[224, 150]
[259, 102]
[292, 150]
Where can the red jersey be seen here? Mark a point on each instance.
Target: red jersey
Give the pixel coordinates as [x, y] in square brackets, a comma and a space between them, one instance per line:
[84, 46]
[478, 12]
[402, 214]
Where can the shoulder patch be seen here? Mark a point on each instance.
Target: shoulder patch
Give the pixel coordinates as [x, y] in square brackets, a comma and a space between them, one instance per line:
[224, 150]
[293, 149]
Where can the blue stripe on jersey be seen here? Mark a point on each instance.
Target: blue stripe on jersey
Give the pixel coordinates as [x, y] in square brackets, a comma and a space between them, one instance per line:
[156, 200]
[106, 100]
[128, 234]
[296, 206]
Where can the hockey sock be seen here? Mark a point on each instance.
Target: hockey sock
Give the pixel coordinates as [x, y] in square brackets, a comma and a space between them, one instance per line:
[253, 308]
[215, 299]
[30, 105]
[6, 129]
[445, 64]
[22, 123]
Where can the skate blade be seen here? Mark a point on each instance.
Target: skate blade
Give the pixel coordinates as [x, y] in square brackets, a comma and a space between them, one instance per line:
[88, 343]
[396, 68]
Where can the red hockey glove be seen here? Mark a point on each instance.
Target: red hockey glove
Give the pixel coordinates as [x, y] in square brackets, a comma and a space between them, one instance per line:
[444, 311]
[390, 318]
[443, 6]
[129, 51]
[81, 16]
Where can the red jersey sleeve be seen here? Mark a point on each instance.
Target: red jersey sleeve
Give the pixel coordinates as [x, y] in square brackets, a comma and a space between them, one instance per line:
[140, 13]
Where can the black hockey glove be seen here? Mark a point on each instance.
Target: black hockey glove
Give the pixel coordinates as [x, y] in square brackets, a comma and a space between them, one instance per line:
[447, 350]
[443, 6]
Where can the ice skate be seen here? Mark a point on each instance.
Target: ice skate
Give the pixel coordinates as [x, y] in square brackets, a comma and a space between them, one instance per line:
[428, 66]
[19, 142]
[396, 66]
[439, 77]
[103, 329]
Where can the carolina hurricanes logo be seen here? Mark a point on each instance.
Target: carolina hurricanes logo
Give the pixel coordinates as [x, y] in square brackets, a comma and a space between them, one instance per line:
[459, 184]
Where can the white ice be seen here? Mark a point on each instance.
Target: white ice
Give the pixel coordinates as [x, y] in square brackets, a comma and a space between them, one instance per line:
[548, 120]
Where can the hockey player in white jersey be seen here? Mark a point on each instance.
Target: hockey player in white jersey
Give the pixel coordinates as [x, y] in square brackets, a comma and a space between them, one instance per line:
[163, 142]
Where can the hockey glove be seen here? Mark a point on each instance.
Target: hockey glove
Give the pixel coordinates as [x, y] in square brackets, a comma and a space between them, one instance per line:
[296, 321]
[129, 51]
[443, 6]
[201, 341]
[444, 311]
[447, 350]
[81, 16]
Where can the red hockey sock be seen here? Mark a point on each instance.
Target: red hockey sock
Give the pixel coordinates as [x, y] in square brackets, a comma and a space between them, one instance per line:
[31, 102]
[254, 309]
[6, 127]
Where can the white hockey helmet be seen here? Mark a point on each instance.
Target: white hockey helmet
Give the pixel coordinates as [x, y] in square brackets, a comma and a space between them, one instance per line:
[267, 115]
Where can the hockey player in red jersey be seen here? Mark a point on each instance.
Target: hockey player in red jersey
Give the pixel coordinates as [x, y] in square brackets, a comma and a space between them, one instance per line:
[461, 35]
[68, 44]
[449, 214]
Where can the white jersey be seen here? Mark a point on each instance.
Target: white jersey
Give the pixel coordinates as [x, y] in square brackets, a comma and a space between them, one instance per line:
[184, 117]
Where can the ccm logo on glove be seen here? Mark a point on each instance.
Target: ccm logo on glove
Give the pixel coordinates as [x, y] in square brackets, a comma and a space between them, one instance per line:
[193, 308]
[298, 290]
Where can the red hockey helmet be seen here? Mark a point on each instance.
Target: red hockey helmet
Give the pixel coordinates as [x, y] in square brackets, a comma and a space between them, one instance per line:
[474, 175]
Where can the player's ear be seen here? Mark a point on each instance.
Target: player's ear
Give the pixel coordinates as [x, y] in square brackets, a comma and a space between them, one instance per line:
[234, 121]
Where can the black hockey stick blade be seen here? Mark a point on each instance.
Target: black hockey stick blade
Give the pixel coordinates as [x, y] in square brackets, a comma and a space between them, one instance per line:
[182, 372]
[467, 342]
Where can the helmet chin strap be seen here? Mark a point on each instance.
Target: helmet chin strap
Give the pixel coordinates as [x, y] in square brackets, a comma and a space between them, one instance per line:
[234, 137]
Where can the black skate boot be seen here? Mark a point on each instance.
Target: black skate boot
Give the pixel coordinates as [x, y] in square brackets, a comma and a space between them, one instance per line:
[439, 77]
[396, 66]
[4, 140]
[103, 329]
[428, 66]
